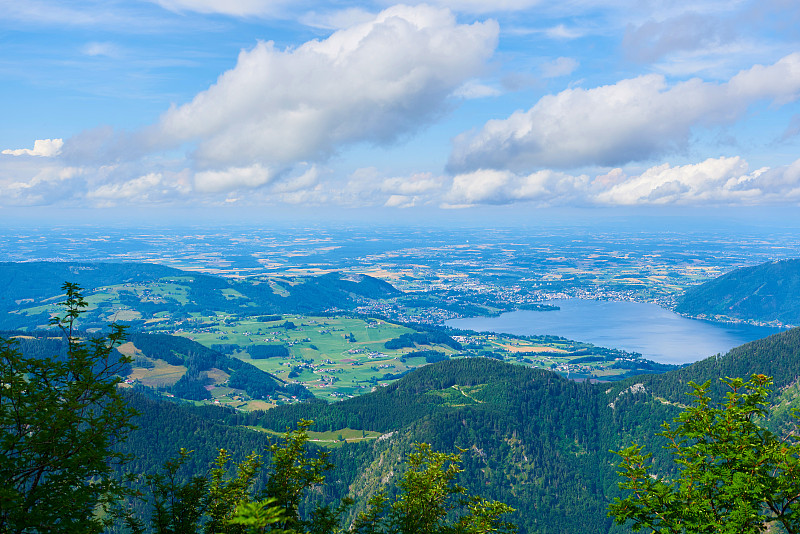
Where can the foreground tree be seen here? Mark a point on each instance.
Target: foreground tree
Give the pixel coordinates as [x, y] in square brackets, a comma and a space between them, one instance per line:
[59, 421]
[225, 500]
[734, 476]
[430, 502]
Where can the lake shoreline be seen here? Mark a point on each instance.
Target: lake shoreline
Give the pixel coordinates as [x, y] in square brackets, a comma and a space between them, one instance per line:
[655, 332]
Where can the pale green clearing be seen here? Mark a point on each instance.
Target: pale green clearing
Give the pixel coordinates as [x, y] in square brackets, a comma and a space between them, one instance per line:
[161, 375]
[331, 439]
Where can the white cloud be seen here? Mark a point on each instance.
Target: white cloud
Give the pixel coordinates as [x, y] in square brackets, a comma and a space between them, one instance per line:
[53, 181]
[416, 184]
[562, 66]
[399, 201]
[306, 180]
[368, 187]
[715, 181]
[373, 82]
[481, 187]
[40, 185]
[41, 147]
[250, 177]
[632, 120]
[504, 187]
[711, 181]
[137, 189]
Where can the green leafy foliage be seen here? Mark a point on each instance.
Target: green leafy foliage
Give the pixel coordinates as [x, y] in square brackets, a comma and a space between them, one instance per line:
[222, 502]
[177, 508]
[293, 472]
[429, 498]
[256, 517]
[734, 476]
[60, 418]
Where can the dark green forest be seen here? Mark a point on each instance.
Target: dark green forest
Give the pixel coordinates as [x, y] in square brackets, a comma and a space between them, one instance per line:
[764, 293]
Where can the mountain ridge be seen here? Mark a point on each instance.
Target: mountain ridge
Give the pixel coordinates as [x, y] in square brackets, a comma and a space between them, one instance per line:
[767, 294]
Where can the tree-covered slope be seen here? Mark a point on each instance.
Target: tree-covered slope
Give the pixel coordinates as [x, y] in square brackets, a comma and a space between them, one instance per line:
[197, 361]
[769, 292]
[777, 356]
[532, 439]
[41, 279]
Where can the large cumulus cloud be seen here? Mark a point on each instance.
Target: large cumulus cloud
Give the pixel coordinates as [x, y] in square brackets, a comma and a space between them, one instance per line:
[372, 82]
[632, 120]
[41, 147]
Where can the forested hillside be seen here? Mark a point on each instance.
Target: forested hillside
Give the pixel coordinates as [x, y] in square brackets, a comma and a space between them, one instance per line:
[31, 290]
[178, 366]
[777, 356]
[766, 293]
[43, 279]
[533, 439]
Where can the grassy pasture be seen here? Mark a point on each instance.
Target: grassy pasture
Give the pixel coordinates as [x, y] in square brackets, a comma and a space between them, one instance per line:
[331, 439]
[328, 363]
[161, 375]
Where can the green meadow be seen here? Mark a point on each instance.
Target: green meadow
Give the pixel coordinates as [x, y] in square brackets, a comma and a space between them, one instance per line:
[334, 357]
[332, 439]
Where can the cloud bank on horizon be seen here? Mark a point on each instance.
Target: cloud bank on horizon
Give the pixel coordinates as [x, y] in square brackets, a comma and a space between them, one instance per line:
[448, 104]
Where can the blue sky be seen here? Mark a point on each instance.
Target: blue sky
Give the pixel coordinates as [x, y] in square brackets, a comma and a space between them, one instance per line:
[450, 105]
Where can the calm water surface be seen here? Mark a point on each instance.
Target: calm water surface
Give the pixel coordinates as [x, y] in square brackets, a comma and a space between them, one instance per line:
[655, 332]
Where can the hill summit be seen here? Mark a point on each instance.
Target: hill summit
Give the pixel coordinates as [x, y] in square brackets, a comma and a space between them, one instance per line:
[767, 294]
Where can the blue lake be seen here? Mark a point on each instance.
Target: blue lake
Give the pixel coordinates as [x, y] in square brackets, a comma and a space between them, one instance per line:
[655, 332]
